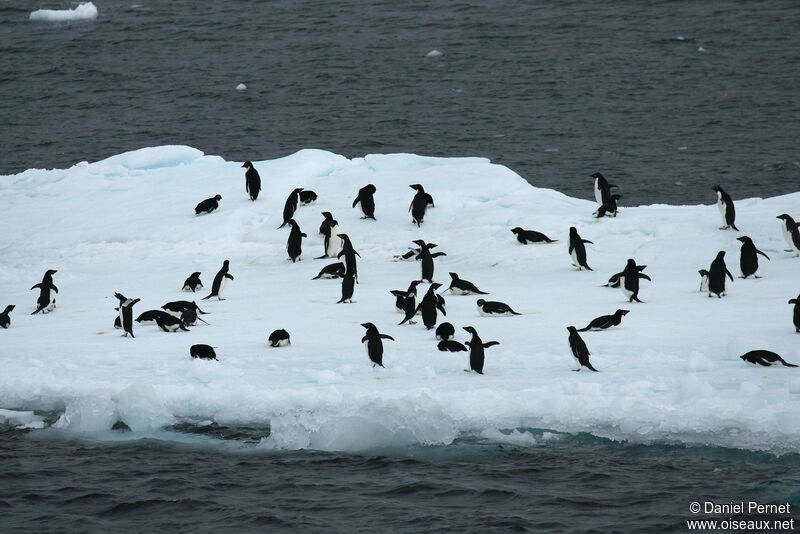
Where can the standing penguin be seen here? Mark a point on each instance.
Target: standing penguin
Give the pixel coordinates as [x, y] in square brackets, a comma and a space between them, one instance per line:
[332, 243]
[47, 289]
[463, 287]
[795, 318]
[629, 281]
[348, 287]
[726, 209]
[291, 206]
[609, 207]
[426, 258]
[703, 281]
[5, 319]
[576, 249]
[476, 350]
[409, 303]
[193, 283]
[126, 313]
[252, 180]
[400, 295]
[716, 275]
[349, 254]
[791, 233]
[220, 280]
[602, 189]
[294, 245]
[208, 205]
[419, 204]
[325, 227]
[372, 342]
[365, 198]
[430, 303]
[579, 349]
[748, 257]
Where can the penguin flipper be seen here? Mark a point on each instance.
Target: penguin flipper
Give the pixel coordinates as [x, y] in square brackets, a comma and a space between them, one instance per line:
[39, 285]
[585, 329]
[363, 339]
[54, 288]
[729, 274]
[356, 201]
[589, 365]
[230, 276]
[490, 344]
[758, 251]
[642, 275]
[587, 241]
[384, 336]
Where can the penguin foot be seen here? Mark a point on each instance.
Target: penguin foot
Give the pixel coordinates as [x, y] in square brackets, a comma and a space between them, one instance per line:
[577, 370]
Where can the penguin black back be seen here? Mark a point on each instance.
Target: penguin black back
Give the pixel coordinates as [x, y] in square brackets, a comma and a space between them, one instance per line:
[476, 350]
[203, 352]
[748, 257]
[419, 204]
[193, 283]
[765, 358]
[796, 316]
[5, 319]
[577, 250]
[372, 342]
[629, 281]
[279, 338]
[252, 180]
[445, 331]
[290, 206]
[208, 205]
[294, 245]
[220, 280]
[47, 290]
[365, 198]
[579, 350]
[716, 275]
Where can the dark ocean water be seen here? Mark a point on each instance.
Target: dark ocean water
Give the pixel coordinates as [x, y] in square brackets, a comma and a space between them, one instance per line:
[665, 98]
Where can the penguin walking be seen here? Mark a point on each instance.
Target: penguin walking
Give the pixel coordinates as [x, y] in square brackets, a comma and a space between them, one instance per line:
[332, 270]
[796, 317]
[290, 206]
[531, 236]
[47, 290]
[150, 317]
[764, 358]
[703, 281]
[208, 205]
[791, 233]
[615, 278]
[445, 331]
[716, 275]
[577, 250]
[608, 208]
[372, 341]
[726, 209]
[400, 295]
[428, 306]
[252, 180]
[203, 352]
[476, 350]
[604, 322]
[307, 197]
[294, 245]
[451, 345]
[419, 204]
[748, 257]
[348, 287]
[492, 308]
[332, 243]
[193, 283]
[602, 189]
[5, 319]
[349, 254]
[426, 259]
[409, 304]
[126, 313]
[220, 280]
[463, 287]
[170, 323]
[629, 281]
[365, 198]
[579, 349]
[279, 338]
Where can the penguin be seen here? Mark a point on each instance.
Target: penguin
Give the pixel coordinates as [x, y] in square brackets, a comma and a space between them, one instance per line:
[193, 283]
[365, 198]
[419, 204]
[604, 322]
[372, 342]
[294, 245]
[47, 289]
[463, 287]
[410, 255]
[117, 322]
[409, 304]
[348, 286]
[252, 180]
[531, 236]
[609, 207]
[614, 280]
[426, 258]
[765, 358]
[450, 345]
[307, 197]
[796, 318]
[325, 227]
[579, 349]
[400, 295]
[716, 275]
[169, 323]
[279, 338]
[349, 254]
[726, 209]
[429, 305]
[494, 309]
[445, 331]
[208, 205]
[126, 313]
[291, 206]
[220, 280]
[203, 352]
[177, 307]
[602, 189]
[791, 233]
[149, 317]
[5, 319]
[577, 249]
[476, 350]
[189, 317]
[629, 281]
[332, 270]
[332, 243]
[703, 281]
[748, 257]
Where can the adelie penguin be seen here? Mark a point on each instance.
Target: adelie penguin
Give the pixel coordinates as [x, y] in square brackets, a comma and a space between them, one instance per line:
[279, 338]
[703, 281]
[252, 180]
[716, 275]
[748, 257]
[294, 245]
[170, 323]
[629, 281]
[126, 313]
[348, 287]
[428, 306]
[220, 280]
[463, 287]
[426, 259]
[450, 345]
[290, 206]
[614, 280]
[400, 295]
[5, 319]
[208, 205]
[609, 207]
[476, 350]
[604, 322]
[419, 204]
[577, 250]
[602, 189]
[349, 253]
[796, 316]
[202, 352]
[408, 303]
[193, 283]
[332, 270]
[531, 236]
[366, 200]
[189, 317]
[307, 197]
[765, 358]
[445, 331]
[726, 209]
[150, 317]
[492, 308]
[332, 243]
[372, 341]
[579, 350]
[47, 293]
[327, 222]
[791, 233]
[177, 307]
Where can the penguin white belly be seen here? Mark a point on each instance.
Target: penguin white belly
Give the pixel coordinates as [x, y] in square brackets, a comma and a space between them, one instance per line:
[172, 327]
[574, 256]
[485, 314]
[283, 342]
[459, 291]
[625, 291]
[334, 243]
[366, 349]
[704, 284]
[222, 285]
[787, 235]
[722, 208]
[598, 195]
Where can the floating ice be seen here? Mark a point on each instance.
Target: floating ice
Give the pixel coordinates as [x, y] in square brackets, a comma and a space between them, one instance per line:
[241, 87]
[85, 11]
[433, 53]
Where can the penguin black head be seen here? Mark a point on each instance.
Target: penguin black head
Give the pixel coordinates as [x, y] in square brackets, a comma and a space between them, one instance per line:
[247, 165]
[226, 263]
[454, 276]
[418, 187]
[8, 308]
[368, 326]
[596, 175]
[480, 302]
[50, 272]
[616, 196]
[721, 255]
[573, 230]
[196, 274]
[120, 297]
[717, 188]
[435, 286]
[703, 272]
[572, 330]
[785, 216]
[631, 262]
[623, 312]
[419, 242]
[292, 223]
[470, 330]
[327, 215]
[744, 239]
[297, 190]
[217, 197]
[369, 188]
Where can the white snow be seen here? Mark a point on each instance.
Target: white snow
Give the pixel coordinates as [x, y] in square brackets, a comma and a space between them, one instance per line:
[84, 11]
[671, 372]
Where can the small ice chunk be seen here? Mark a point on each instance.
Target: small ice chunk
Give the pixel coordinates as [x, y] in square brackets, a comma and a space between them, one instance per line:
[433, 53]
[85, 11]
[701, 49]
[241, 87]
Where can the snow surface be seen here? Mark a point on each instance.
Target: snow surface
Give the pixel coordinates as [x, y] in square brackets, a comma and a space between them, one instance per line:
[85, 11]
[671, 372]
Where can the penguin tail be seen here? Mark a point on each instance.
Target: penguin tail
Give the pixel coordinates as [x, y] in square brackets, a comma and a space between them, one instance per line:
[282, 225]
[583, 329]
[515, 313]
[588, 268]
[787, 364]
[320, 258]
[734, 227]
[481, 293]
[37, 310]
[589, 365]
[201, 319]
